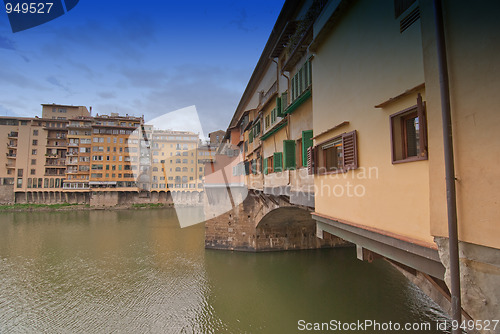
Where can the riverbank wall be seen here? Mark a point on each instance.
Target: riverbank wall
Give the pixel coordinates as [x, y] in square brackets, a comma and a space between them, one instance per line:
[101, 198]
[6, 193]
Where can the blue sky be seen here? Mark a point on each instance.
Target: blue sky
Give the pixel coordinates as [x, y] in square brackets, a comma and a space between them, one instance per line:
[137, 57]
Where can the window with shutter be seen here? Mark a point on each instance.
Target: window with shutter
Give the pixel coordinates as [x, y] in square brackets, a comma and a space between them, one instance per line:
[256, 129]
[336, 155]
[300, 76]
[250, 136]
[301, 81]
[247, 167]
[280, 112]
[289, 154]
[306, 143]
[278, 161]
[309, 73]
[265, 167]
[409, 133]
[278, 105]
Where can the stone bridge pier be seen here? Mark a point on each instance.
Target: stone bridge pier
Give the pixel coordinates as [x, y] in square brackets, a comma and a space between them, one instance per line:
[260, 222]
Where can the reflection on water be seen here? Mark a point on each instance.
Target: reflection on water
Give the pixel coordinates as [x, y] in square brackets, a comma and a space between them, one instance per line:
[138, 271]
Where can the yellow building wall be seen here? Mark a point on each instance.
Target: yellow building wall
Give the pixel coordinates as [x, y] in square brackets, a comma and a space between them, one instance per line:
[166, 149]
[301, 120]
[474, 80]
[357, 67]
[274, 143]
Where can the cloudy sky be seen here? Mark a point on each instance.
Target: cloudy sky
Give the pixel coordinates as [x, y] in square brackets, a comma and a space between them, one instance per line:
[137, 57]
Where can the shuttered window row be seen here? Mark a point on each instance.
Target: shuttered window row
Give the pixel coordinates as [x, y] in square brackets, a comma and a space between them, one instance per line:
[301, 80]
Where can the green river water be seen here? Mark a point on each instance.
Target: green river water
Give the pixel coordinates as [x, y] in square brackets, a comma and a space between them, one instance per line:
[137, 271]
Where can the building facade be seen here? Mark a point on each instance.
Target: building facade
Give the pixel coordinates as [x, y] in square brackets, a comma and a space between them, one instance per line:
[343, 115]
[68, 155]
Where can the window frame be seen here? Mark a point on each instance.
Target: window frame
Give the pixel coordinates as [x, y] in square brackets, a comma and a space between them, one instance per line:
[401, 116]
[315, 152]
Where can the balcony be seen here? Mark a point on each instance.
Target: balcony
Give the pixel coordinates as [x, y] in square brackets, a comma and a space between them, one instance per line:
[56, 163]
[59, 136]
[80, 126]
[54, 145]
[265, 97]
[10, 165]
[54, 174]
[13, 135]
[11, 155]
[12, 145]
[75, 186]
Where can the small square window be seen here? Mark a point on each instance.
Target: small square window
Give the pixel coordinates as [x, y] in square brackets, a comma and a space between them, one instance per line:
[409, 134]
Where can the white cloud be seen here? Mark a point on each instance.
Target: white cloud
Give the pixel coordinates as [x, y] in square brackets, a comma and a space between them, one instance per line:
[185, 119]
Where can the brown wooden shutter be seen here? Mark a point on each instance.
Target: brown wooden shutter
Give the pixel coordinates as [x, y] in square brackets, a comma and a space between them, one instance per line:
[350, 151]
[311, 160]
[422, 126]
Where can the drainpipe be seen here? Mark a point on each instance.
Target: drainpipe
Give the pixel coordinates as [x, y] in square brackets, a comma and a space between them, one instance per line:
[449, 165]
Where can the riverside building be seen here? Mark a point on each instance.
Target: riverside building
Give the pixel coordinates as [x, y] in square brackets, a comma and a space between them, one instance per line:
[343, 117]
[69, 155]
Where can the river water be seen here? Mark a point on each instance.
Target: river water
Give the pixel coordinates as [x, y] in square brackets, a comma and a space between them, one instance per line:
[137, 271]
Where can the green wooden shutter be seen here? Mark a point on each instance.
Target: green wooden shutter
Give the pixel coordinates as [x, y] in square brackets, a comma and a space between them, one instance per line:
[284, 103]
[306, 75]
[306, 143]
[265, 166]
[278, 104]
[250, 136]
[300, 77]
[289, 154]
[247, 167]
[309, 72]
[278, 161]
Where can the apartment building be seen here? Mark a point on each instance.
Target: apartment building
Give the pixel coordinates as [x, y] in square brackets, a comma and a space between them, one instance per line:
[114, 151]
[68, 155]
[174, 161]
[78, 156]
